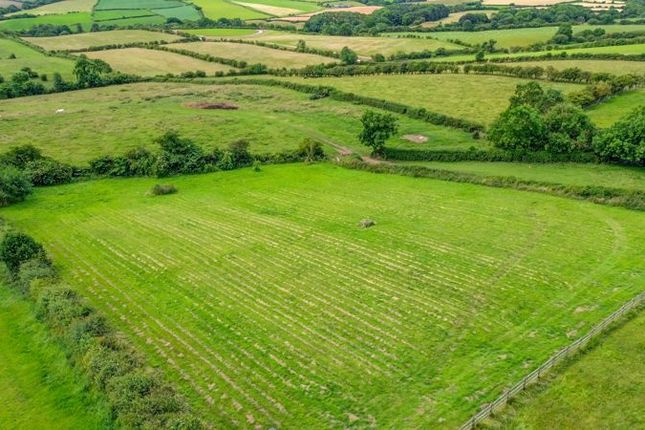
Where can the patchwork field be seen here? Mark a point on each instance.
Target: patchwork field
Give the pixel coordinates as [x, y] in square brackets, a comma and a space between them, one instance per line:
[221, 32]
[364, 46]
[61, 7]
[80, 41]
[28, 57]
[38, 389]
[252, 54]
[70, 19]
[607, 113]
[630, 178]
[454, 17]
[261, 298]
[150, 62]
[280, 7]
[616, 67]
[610, 377]
[215, 9]
[480, 98]
[112, 120]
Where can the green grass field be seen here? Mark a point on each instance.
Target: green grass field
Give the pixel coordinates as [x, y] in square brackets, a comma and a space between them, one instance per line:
[521, 37]
[151, 62]
[616, 67]
[112, 120]
[364, 46]
[221, 32]
[610, 111]
[631, 178]
[611, 377]
[74, 42]
[69, 19]
[263, 301]
[184, 13]
[100, 16]
[215, 9]
[474, 97]
[253, 54]
[61, 7]
[139, 4]
[39, 388]
[28, 57]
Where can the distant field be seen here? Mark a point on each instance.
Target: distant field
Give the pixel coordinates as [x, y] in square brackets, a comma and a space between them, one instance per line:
[184, 13]
[139, 4]
[28, 57]
[223, 32]
[150, 62]
[619, 49]
[255, 54]
[364, 46]
[279, 7]
[142, 20]
[454, 17]
[39, 388]
[224, 9]
[521, 36]
[69, 19]
[87, 40]
[112, 120]
[611, 377]
[64, 6]
[631, 178]
[607, 113]
[474, 97]
[108, 15]
[616, 67]
[261, 298]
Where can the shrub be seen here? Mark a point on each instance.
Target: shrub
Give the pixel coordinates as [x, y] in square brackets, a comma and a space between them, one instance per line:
[239, 151]
[178, 155]
[162, 190]
[19, 156]
[18, 248]
[311, 150]
[48, 172]
[519, 127]
[31, 270]
[625, 140]
[14, 185]
[570, 129]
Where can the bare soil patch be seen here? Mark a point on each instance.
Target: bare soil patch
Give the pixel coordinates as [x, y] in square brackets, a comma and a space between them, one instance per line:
[212, 105]
[416, 138]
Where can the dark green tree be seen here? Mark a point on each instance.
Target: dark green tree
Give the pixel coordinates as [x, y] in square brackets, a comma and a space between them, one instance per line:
[519, 127]
[531, 94]
[14, 185]
[625, 140]
[89, 72]
[377, 128]
[18, 248]
[178, 155]
[570, 129]
[347, 56]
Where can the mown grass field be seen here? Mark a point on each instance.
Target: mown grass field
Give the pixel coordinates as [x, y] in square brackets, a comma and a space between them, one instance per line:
[253, 54]
[106, 121]
[215, 9]
[611, 377]
[630, 178]
[260, 297]
[610, 111]
[280, 7]
[151, 62]
[28, 57]
[364, 46]
[69, 19]
[474, 97]
[62, 7]
[616, 67]
[39, 389]
[524, 36]
[80, 41]
[221, 32]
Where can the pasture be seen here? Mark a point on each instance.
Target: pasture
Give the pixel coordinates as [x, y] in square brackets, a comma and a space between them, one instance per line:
[616, 67]
[221, 32]
[629, 178]
[280, 7]
[151, 62]
[261, 298]
[75, 42]
[252, 54]
[477, 98]
[610, 111]
[610, 377]
[39, 390]
[62, 7]
[215, 9]
[113, 120]
[363, 45]
[28, 57]
[84, 19]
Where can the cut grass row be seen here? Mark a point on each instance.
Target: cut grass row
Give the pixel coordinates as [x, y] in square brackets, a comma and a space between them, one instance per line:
[39, 388]
[112, 120]
[260, 297]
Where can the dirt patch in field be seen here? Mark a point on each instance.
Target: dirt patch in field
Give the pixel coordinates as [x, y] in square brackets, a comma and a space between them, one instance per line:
[212, 105]
[416, 138]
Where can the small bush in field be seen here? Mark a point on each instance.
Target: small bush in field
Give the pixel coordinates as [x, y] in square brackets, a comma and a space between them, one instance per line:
[163, 189]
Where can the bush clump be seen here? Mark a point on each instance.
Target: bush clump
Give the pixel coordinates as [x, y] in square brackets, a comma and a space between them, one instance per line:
[163, 189]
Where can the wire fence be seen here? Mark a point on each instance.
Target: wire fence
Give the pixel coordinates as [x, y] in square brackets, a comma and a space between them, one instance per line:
[569, 350]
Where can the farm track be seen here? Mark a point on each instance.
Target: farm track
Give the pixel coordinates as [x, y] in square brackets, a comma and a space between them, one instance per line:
[264, 305]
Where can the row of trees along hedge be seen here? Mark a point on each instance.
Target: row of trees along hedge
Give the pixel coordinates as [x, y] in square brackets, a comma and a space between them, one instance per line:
[539, 120]
[138, 395]
[631, 199]
[318, 71]
[25, 166]
[318, 92]
[566, 36]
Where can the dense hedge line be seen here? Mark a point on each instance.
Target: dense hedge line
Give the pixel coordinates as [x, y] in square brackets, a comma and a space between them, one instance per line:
[488, 155]
[630, 199]
[319, 71]
[318, 91]
[138, 395]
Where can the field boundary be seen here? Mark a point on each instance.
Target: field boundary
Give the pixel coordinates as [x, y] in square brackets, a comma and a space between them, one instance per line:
[490, 408]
